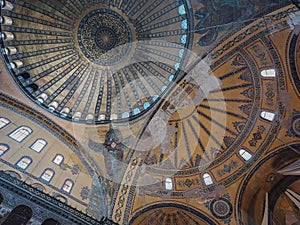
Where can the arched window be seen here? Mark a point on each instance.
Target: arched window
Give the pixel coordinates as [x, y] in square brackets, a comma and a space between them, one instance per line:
[50, 222]
[245, 154]
[207, 179]
[3, 148]
[68, 185]
[13, 174]
[38, 186]
[20, 215]
[3, 122]
[47, 175]
[38, 145]
[267, 115]
[169, 183]
[42, 97]
[21, 133]
[61, 198]
[268, 73]
[24, 162]
[58, 159]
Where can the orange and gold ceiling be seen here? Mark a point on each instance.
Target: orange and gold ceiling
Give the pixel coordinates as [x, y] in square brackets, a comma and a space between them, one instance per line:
[199, 92]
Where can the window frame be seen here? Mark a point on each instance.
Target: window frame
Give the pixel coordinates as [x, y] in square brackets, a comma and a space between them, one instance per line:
[169, 183]
[17, 131]
[35, 142]
[16, 164]
[62, 187]
[2, 123]
[204, 177]
[44, 180]
[58, 154]
[247, 152]
[6, 145]
[271, 71]
[273, 114]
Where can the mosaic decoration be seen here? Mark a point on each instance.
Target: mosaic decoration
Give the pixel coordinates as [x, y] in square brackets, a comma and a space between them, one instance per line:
[227, 168]
[75, 170]
[294, 130]
[194, 130]
[97, 62]
[215, 16]
[293, 57]
[221, 208]
[100, 32]
[270, 94]
[84, 194]
[176, 214]
[257, 136]
[242, 106]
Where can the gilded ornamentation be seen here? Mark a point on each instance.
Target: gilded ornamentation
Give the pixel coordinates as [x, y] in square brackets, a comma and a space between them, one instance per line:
[104, 37]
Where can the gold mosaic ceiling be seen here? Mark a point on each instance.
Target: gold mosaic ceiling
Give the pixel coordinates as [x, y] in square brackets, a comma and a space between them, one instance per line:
[211, 85]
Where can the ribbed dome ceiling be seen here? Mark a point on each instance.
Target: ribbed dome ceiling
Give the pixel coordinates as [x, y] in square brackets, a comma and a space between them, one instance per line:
[95, 61]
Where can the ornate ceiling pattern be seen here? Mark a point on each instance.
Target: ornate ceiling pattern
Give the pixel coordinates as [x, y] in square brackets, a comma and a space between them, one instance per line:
[73, 60]
[275, 185]
[206, 138]
[170, 214]
[183, 111]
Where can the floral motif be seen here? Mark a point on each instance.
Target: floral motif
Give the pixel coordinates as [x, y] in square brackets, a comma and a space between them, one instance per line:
[84, 192]
[75, 170]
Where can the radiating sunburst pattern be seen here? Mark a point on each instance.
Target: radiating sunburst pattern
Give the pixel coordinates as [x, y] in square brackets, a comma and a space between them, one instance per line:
[96, 61]
[202, 133]
[170, 214]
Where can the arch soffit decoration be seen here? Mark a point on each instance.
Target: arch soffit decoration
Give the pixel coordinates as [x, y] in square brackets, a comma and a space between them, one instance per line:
[202, 216]
[288, 152]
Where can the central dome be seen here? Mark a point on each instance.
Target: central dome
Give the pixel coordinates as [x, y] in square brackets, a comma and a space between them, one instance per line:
[96, 61]
[104, 37]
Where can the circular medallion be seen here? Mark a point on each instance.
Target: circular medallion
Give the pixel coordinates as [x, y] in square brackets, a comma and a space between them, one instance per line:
[221, 208]
[112, 61]
[296, 126]
[104, 37]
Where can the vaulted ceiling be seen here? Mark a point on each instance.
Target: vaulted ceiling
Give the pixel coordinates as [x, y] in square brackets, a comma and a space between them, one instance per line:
[173, 112]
